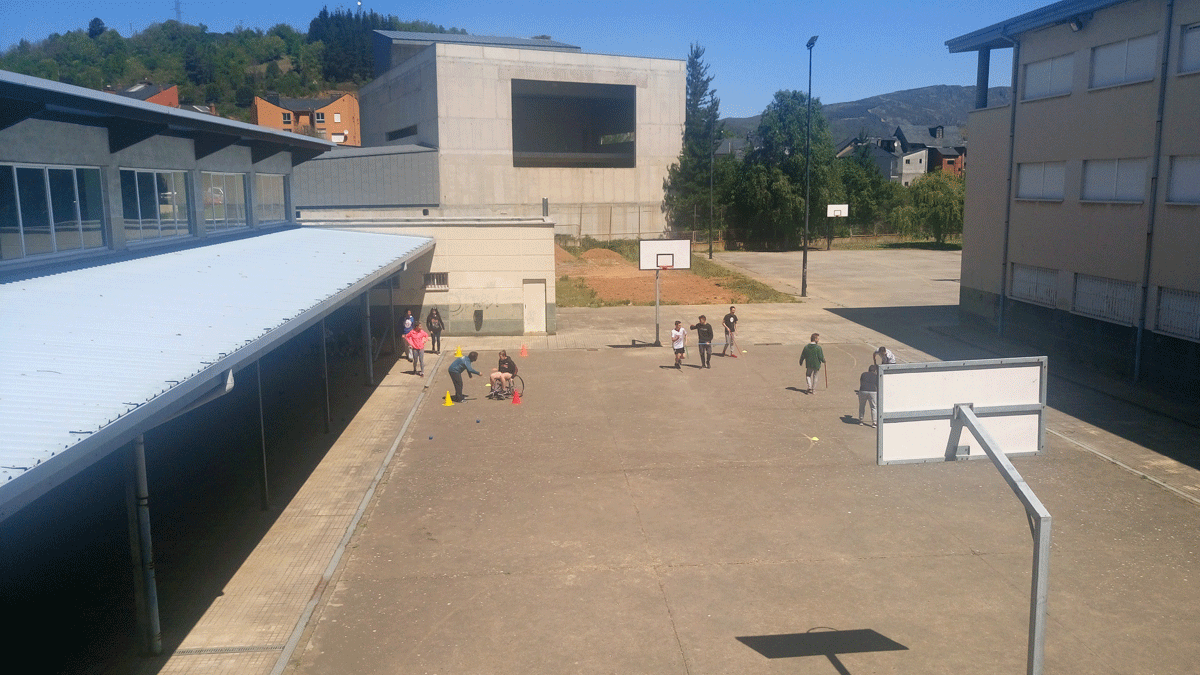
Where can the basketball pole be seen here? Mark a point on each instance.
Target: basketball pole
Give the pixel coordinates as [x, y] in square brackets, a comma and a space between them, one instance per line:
[657, 342]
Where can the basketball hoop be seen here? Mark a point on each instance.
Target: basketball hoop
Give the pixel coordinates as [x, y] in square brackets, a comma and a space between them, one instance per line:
[666, 267]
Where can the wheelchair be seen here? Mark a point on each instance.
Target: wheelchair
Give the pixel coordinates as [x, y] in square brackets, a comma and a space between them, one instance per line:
[500, 392]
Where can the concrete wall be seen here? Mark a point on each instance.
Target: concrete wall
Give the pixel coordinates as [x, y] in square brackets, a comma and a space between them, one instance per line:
[388, 178]
[400, 98]
[488, 263]
[460, 98]
[477, 173]
[1074, 236]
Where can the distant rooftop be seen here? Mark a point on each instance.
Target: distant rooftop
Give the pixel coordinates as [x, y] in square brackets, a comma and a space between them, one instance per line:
[300, 104]
[143, 90]
[392, 47]
[486, 40]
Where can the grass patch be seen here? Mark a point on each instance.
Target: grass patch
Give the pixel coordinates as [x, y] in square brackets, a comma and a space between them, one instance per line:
[573, 292]
[753, 290]
[888, 242]
[927, 245]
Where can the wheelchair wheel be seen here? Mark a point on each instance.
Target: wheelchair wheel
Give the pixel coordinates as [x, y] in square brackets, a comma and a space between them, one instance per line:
[518, 385]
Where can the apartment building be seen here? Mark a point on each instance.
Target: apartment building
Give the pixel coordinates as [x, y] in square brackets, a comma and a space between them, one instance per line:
[1082, 223]
[333, 118]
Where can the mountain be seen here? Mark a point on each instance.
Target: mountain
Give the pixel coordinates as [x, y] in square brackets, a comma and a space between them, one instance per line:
[944, 104]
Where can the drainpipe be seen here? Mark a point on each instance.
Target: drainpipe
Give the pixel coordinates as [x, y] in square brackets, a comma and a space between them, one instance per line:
[1155, 169]
[1012, 141]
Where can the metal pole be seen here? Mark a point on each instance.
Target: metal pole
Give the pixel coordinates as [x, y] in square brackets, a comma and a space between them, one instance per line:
[807, 176]
[325, 370]
[1040, 518]
[262, 434]
[392, 307]
[135, 553]
[146, 549]
[712, 160]
[366, 335]
[657, 342]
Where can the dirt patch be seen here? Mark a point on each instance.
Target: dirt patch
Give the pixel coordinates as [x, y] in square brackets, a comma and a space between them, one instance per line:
[561, 255]
[617, 281]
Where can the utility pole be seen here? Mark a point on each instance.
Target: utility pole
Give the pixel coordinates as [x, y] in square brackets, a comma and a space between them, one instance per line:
[812, 41]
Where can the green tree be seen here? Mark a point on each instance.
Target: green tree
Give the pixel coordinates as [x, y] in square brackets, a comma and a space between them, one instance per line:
[687, 185]
[778, 160]
[937, 205]
[96, 28]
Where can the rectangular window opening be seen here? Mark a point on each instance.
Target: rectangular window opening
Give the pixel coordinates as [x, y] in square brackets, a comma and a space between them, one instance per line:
[574, 124]
[287, 118]
[437, 281]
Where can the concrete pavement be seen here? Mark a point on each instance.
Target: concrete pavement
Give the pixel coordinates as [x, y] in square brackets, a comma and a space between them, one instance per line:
[633, 518]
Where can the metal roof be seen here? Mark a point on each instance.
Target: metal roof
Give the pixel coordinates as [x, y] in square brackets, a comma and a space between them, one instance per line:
[130, 121]
[94, 357]
[993, 37]
[485, 40]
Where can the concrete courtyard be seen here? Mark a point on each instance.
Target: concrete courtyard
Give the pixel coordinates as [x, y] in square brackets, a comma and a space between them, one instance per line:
[631, 518]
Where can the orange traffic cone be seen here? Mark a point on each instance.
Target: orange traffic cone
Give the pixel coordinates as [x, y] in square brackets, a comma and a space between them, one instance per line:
[516, 397]
[524, 351]
[448, 401]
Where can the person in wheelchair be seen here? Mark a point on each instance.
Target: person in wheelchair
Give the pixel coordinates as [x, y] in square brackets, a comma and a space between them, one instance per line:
[502, 376]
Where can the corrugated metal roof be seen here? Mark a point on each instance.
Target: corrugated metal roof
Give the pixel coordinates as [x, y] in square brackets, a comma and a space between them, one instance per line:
[486, 40]
[93, 357]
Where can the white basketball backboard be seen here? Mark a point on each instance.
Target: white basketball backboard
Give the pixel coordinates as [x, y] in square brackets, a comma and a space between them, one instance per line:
[837, 210]
[654, 254]
[916, 404]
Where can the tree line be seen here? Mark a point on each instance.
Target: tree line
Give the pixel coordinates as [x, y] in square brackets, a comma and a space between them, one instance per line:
[226, 69]
[759, 198]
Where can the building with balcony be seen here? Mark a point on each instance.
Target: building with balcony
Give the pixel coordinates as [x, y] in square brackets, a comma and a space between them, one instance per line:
[1082, 222]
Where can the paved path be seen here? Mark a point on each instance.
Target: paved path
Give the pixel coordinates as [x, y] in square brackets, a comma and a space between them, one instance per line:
[632, 518]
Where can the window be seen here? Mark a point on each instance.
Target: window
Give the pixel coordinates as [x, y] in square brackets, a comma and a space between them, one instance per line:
[320, 118]
[402, 133]
[907, 161]
[154, 204]
[1178, 313]
[337, 118]
[1114, 180]
[287, 118]
[1035, 284]
[224, 200]
[268, 198]
[1040, 180]
[437, 281]
[1051, 77]
[1107, 299]
[573, 124]
[1184, 185]
[1189, 49]
[338, 138]
[49, 210]
[1124, 62]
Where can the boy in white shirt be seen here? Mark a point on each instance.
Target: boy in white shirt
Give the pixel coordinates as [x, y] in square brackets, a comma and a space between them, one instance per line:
[678, 338]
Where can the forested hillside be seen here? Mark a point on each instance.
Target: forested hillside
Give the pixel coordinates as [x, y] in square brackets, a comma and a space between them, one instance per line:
[227, 69]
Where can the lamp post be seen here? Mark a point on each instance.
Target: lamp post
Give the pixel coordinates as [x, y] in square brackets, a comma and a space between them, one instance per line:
[812, 41]
[712, 158]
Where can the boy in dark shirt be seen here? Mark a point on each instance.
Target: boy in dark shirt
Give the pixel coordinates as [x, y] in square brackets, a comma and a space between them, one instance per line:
[704, 335]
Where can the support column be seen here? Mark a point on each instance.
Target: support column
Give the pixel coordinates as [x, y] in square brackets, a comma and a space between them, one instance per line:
[265, 496]
[392, 310]
[325, 373]
[982, 75]
[140, 546]
[366, 334]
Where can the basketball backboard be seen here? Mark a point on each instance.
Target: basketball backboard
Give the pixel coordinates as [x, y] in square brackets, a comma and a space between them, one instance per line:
[837, 210]
[916, 407]
[654, 254]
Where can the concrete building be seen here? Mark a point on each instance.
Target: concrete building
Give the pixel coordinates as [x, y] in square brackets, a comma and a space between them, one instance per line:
[1083, 201]
[531, 128]
[912, 151]
[333, 118]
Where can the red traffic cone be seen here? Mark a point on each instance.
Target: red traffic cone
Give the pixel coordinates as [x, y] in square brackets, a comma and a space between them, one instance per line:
[524, 351]
[516, 397]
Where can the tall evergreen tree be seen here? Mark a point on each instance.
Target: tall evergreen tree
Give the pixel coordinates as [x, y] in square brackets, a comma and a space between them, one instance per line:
[686, 187]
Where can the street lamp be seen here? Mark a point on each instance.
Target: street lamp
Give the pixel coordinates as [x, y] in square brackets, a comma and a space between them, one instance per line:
[812, 41]
[712, 158]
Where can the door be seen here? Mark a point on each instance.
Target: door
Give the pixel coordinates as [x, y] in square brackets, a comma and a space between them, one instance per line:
[535, 305]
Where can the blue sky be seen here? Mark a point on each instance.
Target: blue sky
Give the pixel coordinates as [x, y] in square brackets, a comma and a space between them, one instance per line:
[866, 47]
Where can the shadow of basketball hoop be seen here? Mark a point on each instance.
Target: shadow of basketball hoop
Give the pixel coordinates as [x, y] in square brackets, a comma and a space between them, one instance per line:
[827, 642]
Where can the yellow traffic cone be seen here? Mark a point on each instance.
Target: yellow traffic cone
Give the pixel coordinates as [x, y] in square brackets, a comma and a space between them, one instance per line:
[448, 401]
[458, 352]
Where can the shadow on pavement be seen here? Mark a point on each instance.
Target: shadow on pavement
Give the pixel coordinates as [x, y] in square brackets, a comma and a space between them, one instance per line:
[827, 643]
